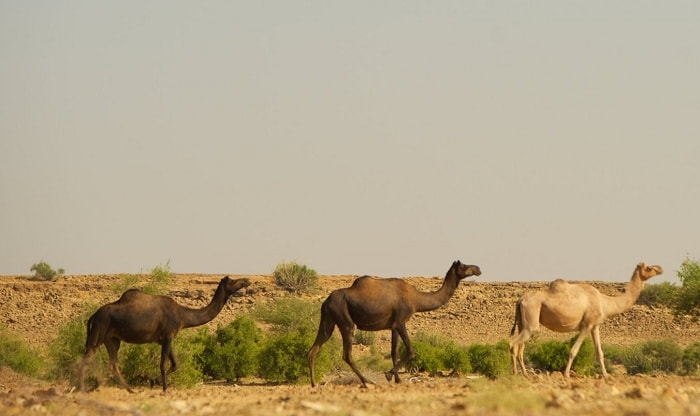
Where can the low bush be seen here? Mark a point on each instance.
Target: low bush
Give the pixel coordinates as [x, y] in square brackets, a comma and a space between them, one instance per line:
[435, 353]
[231, 353]
[295, 277]
[140, 363]
[688, 299]
[157, 282]
[660, 294]
[366, 338]
[18, 355]
[653, 357]
[43, 271]
[691, 359]
[553, 355]
[490, 360]
[294, 324]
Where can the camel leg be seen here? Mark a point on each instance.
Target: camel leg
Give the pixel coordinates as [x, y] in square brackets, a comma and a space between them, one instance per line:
[112, 345]
[346, 334]
[517, 351]
[166, 353]
[595, 334]
[574, 350]
[410, 354]
[89, 352]
[394, 354]
[325, 330]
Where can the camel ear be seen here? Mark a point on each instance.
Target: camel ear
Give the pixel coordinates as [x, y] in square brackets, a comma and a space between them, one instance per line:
[641, 265]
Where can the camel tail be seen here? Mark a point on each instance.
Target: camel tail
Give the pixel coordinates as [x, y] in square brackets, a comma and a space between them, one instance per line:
[95, 331]
[518, 319]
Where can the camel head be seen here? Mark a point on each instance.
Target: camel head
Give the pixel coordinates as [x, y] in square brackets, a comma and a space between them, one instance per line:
[647, 272]
[465, 270]
[234, 285]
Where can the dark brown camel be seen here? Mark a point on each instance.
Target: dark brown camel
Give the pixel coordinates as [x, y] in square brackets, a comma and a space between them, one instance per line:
[373, 304]
[140, 318]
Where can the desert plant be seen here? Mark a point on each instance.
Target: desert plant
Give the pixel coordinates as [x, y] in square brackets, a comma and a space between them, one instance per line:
[691, 359]
[43, 271]
[553, 355]
[366, 338]
[140, 363]
[435, 353]
[231, 353]
[66, 350]
[688, 299]
[490, 360]
[157, 282]
[660, 294]
[295, 277]
[652, 357]
[293, 322]
[16, 354]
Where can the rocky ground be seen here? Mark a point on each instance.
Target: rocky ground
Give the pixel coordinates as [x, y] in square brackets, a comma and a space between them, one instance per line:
[478, 312]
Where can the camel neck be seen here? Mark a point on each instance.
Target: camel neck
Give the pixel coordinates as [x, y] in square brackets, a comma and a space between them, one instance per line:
[615, 305]
[428, 301]
[196, 317]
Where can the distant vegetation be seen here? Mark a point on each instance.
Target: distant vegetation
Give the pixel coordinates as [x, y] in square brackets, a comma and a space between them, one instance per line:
[43, 271]
[157, 282]
[295, 277]
[684, 299]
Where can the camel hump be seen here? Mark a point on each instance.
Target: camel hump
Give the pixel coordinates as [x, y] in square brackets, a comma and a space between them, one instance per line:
[558, 285]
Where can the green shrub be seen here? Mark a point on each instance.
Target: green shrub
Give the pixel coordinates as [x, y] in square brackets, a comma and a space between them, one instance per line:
[375, 360]
[157, 282]
[295, 277]
[435, 353]
[232, 352]
[66, 350]
[490, 360]
[660, 294]
[652, 357]
[688, 299]
[140, 363]
[553, 355]
[294, 324]
[288, 314]
[283, 357]
[427, 354]
[691, 359]
[42, 271]
[18, 355]
[367, 338]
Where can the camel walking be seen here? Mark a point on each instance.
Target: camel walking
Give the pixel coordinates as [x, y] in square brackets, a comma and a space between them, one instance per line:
[374, 304]
[140, 318]
[568, 307]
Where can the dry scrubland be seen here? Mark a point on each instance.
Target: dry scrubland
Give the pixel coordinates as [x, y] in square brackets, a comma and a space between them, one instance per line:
[478, 312]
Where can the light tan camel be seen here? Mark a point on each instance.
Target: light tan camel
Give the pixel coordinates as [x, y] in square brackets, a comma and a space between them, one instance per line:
[372, 304]
[567, 307]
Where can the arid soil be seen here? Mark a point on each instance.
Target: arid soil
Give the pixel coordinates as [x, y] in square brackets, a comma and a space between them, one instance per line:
[478, 312]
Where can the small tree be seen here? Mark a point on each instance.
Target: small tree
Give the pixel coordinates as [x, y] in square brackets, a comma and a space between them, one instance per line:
[295, 277]
[688, 299]
[43, 271]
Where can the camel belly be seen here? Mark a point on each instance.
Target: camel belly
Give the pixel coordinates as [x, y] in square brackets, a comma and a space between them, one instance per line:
[559, 322]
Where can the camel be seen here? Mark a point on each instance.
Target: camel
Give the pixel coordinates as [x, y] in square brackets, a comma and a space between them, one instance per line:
[569, 307]
[141, 318]
[375, 304]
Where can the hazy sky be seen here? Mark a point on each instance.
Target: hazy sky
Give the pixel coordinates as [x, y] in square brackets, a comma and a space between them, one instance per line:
[537, 140]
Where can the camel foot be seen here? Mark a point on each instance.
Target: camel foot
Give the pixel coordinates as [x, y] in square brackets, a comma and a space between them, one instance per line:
[389, 375]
